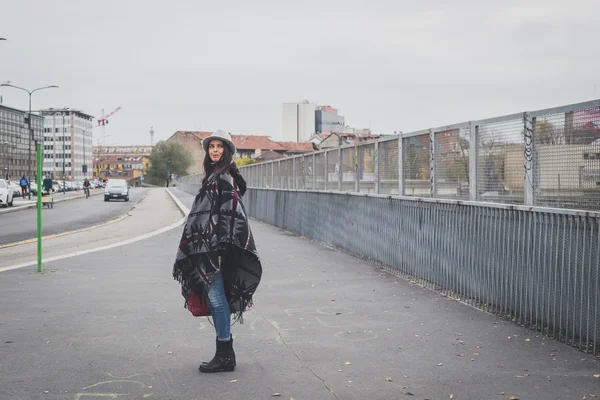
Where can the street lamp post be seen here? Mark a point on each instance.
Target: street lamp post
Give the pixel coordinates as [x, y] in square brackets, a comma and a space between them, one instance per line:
[64, 152]
[29, 125]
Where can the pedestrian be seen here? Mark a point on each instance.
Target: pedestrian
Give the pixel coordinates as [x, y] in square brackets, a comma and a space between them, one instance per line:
[24, 184]
[86, 187]
[47, 185]
[217, 259]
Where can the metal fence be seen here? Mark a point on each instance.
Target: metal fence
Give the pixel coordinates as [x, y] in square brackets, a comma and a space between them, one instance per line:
[547, 158]
[536, 267]
[483, 211]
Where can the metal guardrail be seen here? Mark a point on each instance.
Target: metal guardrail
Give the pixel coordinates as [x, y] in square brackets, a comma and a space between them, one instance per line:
[545, 158]
[539, 268]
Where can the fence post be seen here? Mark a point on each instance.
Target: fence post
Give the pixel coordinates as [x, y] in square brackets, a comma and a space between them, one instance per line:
[377, 180]
[340, 170]
[314, 171]
[280, 174]
[356, 170]
[303, 170]
[294, 169]
[529, 161]
[326, 168]
[432, 163]
[400, 167]
[473, 146]
[272, 174]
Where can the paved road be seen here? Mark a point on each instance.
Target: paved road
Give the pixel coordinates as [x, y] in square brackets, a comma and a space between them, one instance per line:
[65, 216]
[324, 326]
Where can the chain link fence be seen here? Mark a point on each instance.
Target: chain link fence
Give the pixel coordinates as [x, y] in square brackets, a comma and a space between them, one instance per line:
[546, 158]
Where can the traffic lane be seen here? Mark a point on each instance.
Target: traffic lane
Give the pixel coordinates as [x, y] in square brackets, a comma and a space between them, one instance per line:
[65, 216]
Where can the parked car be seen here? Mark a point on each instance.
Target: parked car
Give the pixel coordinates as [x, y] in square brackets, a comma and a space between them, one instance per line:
[116, 189]
[6, 194]
[33, 187]
[16, 189]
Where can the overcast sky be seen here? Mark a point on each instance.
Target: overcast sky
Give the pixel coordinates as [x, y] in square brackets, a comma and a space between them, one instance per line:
[206, 65]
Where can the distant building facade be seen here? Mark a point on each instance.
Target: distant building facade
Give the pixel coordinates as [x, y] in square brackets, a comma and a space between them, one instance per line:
[122, 162]
[327, 119]
[302, 121]
[67, 144]
[14, 143]
[298, 121]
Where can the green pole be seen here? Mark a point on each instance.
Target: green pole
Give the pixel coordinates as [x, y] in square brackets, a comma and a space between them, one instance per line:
[39, 206]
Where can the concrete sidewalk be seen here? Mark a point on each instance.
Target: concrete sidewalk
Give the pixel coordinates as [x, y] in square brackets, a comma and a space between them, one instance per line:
[324, 326]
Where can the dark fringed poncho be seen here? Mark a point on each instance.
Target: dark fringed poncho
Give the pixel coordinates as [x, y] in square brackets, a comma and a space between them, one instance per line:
[217, 228]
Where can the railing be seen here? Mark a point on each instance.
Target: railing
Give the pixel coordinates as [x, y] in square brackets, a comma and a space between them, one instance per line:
[462, 209]
[539, 268]
[545, 158]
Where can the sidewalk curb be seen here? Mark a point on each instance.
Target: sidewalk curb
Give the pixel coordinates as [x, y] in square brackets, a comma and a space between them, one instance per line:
[182, 208]
[119, 218]
[19, 208]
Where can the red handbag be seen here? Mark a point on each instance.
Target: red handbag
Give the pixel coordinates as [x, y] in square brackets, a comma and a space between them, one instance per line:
[197, 305]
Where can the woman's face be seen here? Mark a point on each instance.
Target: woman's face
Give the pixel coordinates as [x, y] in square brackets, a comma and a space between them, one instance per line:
[215, 149]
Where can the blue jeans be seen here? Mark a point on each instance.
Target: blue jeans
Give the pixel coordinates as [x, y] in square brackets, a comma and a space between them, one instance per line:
[219, 308]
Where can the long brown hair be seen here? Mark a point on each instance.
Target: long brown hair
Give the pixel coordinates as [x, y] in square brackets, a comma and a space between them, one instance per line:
[224, 165]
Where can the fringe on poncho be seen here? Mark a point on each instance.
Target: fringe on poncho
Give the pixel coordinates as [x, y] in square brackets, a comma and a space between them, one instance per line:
[217, 228]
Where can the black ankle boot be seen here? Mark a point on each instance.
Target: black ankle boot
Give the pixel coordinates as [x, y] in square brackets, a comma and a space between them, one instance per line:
[224, 359]
[230, 348]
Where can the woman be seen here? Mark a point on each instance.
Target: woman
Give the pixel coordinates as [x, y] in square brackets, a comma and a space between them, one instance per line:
[217, 258]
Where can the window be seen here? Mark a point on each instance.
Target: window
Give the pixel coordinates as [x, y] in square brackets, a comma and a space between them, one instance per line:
[591, 156]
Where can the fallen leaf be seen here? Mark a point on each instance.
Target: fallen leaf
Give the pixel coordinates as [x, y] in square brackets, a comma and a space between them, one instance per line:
[339, 370]
[276, 394]
[233, 381]
[475, 354]
[593, 395]
[460, 355]
[170, 352]
[440, 364]
[596, 375]
[348, 363]
[502, 393]
[389, 379]
[8, 341]
[513, 398]
[528, 340]
[451, 396]
[409, 394]
[404, 387]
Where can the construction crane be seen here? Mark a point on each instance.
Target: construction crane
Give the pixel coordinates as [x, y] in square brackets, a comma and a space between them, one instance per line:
[104, 120]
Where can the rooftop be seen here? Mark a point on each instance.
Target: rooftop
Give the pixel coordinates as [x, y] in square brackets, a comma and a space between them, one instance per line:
[69, 111]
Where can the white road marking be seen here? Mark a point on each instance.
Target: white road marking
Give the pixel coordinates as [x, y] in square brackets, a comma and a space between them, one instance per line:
[88, 251]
